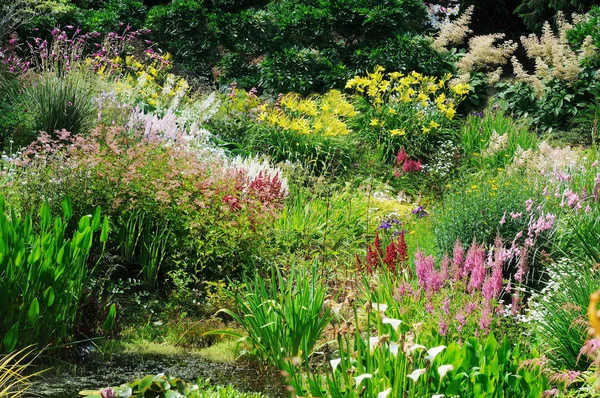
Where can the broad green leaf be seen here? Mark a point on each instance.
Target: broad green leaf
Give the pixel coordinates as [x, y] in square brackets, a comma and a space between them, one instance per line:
[49, 296]
[105, 228]
[67, 208]
[34, 311]
[145, 383]
[11, 338]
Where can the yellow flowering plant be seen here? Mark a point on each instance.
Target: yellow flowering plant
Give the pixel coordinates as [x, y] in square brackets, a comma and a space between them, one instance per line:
[313, 130]
[149, 85]
[411, 111]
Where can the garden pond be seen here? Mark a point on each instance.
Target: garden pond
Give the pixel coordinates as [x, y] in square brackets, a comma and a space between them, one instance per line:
[97, 371]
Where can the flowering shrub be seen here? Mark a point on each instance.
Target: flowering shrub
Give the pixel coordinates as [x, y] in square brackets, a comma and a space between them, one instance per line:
[312, 131]
[214, 210]
[562, 83]
[411, 111]
[149, 86]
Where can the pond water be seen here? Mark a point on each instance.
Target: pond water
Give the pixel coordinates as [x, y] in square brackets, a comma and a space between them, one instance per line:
[96, 371]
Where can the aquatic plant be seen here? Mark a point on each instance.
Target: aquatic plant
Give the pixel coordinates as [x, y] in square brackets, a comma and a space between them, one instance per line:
[43, 273]
[166, 386]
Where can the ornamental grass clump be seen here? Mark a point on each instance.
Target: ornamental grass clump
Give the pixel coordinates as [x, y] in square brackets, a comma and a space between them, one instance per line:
[283, 316]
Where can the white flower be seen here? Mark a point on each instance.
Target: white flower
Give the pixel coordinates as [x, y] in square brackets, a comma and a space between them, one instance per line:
[335, 362]
[442, 370]
[384, 393]
[360, 378]
[415, 347]
[433, 352]
[416, 373]
[394, 348]
[373, 341]
[394, 322]
[379, 307]
[438, 396]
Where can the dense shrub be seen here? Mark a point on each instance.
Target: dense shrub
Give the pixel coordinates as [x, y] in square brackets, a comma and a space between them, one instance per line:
[405, 52]
[301, 70]
[535, 12]
[157, 188]
[186, 29]
[112, 15]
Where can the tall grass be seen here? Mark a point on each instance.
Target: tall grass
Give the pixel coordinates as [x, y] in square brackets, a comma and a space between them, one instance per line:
[144, 241]
[560, 310]
[13, 381]
[328, 227]
[284, 316]
[42, 274]
[61, 102]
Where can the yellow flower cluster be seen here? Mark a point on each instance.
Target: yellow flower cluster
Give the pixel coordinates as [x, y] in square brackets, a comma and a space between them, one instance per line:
[413, 88]
[413, 101]
[318, 114]
[150, 84]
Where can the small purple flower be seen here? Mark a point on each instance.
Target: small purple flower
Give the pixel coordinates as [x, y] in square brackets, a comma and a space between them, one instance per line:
[385, 224]
[420, 212]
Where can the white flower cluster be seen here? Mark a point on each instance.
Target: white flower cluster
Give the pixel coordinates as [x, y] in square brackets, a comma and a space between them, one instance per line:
[497, 143]
[439, 16]
[444, 160]
[254, 166]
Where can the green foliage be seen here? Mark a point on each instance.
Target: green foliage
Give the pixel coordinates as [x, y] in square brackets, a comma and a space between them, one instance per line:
[490, 139]
[404, 52]
[557, 105]
[474, 207]
[60, 102]
[187, 30]
[42, 274]
[165, 386]
[143, 240]
[112, 15]
[323, 155]
[301, 70]
[303, 46]
[331, 226]
[283, 316]
[535, 12]
[559, 312]
[385, 355]
[589, 26]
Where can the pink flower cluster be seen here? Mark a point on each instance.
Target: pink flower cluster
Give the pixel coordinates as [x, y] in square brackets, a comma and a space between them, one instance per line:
[404, 164]
[475, 272]
[68, 46]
